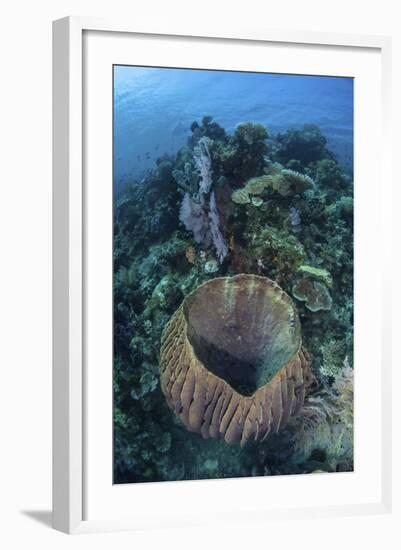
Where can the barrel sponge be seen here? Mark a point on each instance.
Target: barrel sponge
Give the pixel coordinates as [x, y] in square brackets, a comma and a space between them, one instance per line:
[232, 364]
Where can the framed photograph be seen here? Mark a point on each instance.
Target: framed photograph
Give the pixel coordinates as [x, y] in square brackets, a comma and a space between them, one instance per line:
[219, 326]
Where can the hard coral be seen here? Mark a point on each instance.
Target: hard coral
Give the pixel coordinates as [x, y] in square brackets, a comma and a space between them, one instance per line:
[254, 186]
[284, 182]
[288, 182]
[241, 196]
[314, 294]
[316, 273]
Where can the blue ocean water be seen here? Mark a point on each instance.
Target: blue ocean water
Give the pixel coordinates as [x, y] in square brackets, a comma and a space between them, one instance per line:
[154, 108]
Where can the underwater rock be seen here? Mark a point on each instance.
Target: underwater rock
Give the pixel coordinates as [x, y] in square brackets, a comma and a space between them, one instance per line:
[237, 370]
[314, 294]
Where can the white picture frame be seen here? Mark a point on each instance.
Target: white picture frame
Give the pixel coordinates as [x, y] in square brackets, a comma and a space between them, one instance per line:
[70, 260]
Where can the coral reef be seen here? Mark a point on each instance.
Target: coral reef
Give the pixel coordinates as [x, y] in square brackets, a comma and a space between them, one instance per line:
[275, 206]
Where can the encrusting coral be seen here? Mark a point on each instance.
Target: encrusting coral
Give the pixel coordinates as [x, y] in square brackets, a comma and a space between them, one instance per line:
[236, 371]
